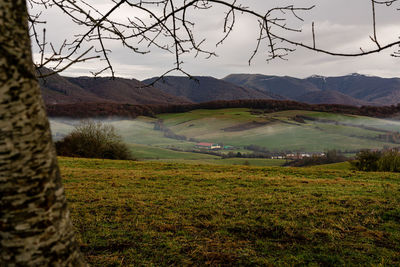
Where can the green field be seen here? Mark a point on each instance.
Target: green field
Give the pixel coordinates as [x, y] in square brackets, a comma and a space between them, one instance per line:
[156, 153]
[229, 161]
[242, 127]
[130, 213]
[280, 132]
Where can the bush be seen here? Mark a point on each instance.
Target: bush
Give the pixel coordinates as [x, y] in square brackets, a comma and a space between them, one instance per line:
[332, 156]
[93, 140]
[367, 160]
[388, 161]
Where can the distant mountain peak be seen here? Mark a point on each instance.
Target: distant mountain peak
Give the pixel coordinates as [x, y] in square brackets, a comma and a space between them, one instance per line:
[352, 89]
[207, 89]
[315, 76]
[57, 89]
[355, 88]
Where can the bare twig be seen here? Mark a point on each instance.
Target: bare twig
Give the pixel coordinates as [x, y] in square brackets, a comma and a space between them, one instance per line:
[169, 26]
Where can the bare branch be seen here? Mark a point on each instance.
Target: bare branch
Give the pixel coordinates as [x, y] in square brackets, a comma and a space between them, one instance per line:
[169, 26]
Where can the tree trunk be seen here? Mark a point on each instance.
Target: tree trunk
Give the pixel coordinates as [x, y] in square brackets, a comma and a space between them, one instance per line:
[35, 228]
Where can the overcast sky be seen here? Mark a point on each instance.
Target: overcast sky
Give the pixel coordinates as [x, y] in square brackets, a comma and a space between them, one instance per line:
[340, 25]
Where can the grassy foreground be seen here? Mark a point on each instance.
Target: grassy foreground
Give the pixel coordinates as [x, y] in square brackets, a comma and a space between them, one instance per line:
[162, 214]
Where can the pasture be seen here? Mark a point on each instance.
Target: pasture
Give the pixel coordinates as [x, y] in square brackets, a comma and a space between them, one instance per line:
[130, 213]
[286, 131]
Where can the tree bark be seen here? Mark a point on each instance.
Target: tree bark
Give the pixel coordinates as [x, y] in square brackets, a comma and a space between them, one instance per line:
[35, 228]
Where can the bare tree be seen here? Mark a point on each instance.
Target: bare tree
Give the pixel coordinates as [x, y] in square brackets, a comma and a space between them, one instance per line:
[35, 228]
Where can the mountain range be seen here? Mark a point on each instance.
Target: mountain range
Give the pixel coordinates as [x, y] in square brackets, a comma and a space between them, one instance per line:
[205, 89]
[57, 89]
[353, 89]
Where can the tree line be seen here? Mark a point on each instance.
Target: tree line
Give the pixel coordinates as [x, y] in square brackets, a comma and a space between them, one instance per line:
[87, 110]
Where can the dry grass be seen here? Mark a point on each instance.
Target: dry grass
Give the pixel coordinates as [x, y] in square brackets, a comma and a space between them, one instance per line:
[161, 214]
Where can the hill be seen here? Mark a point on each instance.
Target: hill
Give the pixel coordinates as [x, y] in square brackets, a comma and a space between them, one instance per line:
[67, 90]
[293, 130]
[377, 90]
[92, 110]
[288, 87]
[354, 89]
[330, 97]
[205, 89]
[167, 214]
[58, 90]
[248, 131]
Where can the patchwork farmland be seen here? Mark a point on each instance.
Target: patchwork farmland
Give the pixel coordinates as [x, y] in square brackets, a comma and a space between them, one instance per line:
[286, 131]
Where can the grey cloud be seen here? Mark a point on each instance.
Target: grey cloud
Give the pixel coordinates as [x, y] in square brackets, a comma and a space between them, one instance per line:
[341, 25]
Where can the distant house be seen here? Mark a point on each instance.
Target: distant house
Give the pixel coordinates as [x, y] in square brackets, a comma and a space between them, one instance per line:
[207, 146]
[291, 156]
[297, 155]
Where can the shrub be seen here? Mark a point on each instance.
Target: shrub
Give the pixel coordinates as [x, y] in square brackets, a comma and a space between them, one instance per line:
[388, 161]
[367, 160]
[332, 156]
[93, 140]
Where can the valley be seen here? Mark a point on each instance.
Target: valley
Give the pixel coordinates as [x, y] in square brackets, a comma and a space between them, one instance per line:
[199, 133]
[241, 128]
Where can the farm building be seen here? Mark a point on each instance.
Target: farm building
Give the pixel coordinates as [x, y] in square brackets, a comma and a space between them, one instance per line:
[208, 146]
[297, 155]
